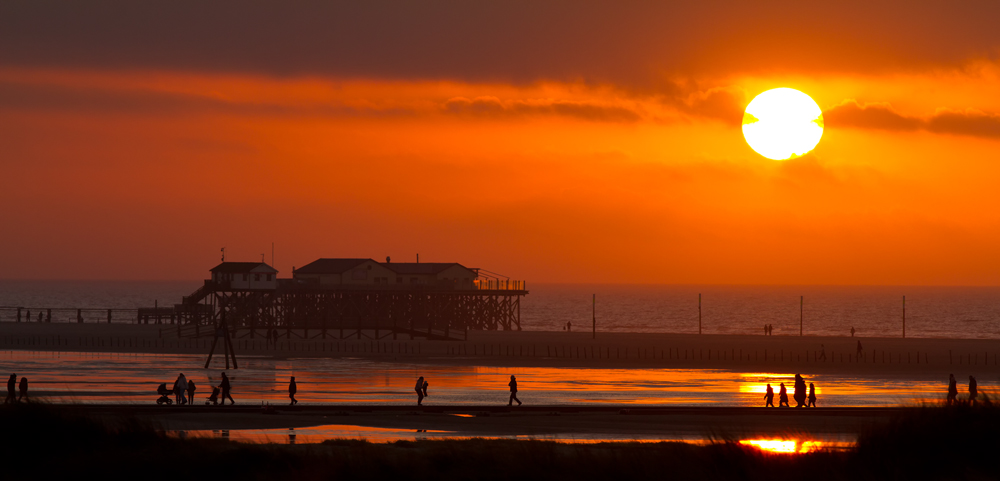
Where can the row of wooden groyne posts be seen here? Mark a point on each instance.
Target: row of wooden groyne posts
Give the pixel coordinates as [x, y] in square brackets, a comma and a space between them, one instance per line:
[458, 349]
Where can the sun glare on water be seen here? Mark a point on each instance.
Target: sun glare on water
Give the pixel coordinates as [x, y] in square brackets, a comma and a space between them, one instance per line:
[782, 123]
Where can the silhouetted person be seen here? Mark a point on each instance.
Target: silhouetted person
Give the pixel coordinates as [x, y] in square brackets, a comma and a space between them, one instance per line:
[513, 391]
[952, 389]
[770, 329]
[822, 352]
[769, 396]
[180, 385]
[419, 387]
[973, 389]
[569, 326]
[859, 348]
[28, 317]
[292, 389]
[39, 316]
[226, 390]
[425, 387]
[23, 387]
[852, 331]
[11, 383]
[812, 395]
[191, 389]
[765, 329]
[800, 391]
[782, 396]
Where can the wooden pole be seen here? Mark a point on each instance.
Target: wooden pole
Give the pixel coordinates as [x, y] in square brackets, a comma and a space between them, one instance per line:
[699, 313]
[801, 303]
[594, 311]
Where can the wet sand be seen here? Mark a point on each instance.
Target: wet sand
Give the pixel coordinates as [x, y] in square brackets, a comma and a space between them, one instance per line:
[669, 422]
[879, 356]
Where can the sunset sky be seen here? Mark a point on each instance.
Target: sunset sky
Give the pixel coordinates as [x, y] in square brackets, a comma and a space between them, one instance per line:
[548, 141]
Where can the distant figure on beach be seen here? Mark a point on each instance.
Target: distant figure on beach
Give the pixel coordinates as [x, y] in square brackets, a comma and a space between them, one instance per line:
[226, 390]
[190, 389]
[822, 352]
[23, 388]
[769, 396]
[213, 399]
[765, 329]
[39, 316]
[420, 390]
[952, 389]
[859, 348]
[782, 396]
[852, 331]
[800, 391]
[569, 326]
[292, 389]
[11, 383]
[973, 389]
[770, 329]
[513, 391]
[426, 384]
[812, 395]
[180, 385]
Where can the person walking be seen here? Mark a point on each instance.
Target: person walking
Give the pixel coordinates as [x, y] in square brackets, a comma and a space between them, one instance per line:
[513, 391]
[419, 387]
[11, 383]
[952, 390]
[822, 352]
[765, 329]
[23, 388]
[769, 396]
[292, 389]
[191, 389]
[859, 349]
[782, 396]
[226, 390]
[812, 395]
[800, 391]
[973, 389]
[180, 386]
[852, 331]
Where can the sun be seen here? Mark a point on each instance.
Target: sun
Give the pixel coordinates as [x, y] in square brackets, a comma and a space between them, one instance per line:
[782, 123]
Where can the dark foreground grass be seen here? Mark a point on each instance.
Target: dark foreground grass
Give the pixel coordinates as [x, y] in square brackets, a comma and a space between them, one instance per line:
[44, 442]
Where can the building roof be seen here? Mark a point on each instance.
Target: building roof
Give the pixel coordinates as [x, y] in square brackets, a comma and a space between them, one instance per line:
[242, 267]
[330, 266]
[421, 267]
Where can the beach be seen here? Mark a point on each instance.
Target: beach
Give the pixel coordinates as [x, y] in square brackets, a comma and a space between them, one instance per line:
[545, 348]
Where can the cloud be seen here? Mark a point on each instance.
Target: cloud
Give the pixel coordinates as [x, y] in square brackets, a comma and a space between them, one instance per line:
[635, 44]
[882, 116]
[488, 106]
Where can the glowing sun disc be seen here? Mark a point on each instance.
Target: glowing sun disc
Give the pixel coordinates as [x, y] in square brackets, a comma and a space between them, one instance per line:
[782, 123]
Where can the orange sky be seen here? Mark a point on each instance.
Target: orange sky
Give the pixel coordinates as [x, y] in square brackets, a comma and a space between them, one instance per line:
[602, 147]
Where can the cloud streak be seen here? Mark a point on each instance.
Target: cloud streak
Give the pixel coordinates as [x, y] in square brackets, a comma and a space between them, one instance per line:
[882, 116]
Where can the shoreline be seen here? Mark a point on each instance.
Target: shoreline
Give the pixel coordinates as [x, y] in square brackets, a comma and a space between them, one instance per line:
[552, 349]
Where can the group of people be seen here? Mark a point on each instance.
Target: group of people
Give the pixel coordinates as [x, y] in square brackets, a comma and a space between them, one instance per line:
[272, 336]
[184, 390]
[421, 389]
[799, 396]
[768, 329]
[953, 389]
[11, 385]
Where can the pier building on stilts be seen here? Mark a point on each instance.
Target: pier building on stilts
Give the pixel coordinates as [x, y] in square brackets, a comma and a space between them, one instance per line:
[351, 298]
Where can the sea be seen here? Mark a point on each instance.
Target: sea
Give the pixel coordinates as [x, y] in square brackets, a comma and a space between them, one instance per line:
[873, 311]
